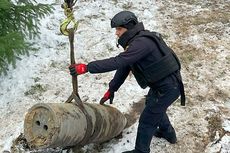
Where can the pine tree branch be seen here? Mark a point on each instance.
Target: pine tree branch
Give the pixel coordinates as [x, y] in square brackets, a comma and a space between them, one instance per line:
[18, 20]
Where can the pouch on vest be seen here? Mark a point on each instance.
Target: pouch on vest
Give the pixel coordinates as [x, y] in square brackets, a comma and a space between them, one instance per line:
[160, 69]
[166, 65]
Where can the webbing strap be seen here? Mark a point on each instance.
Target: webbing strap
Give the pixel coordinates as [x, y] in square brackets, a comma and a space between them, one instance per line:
[182, 94]
[181, 87]
[68, 11]
[89, 126]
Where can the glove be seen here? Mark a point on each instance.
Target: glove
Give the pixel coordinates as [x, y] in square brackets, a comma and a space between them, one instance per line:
[108, 95]
[77, 69]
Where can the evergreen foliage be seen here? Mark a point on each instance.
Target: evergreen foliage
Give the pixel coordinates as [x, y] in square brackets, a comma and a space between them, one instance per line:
[19, 20]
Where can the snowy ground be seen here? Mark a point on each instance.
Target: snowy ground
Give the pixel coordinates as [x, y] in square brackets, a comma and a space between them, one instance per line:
[197, 30]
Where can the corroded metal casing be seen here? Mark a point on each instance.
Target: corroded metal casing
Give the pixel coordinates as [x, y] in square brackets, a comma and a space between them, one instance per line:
[51, 125]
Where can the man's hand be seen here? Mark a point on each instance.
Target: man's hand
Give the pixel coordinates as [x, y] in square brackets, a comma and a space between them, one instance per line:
[77, 69]
[108, 95]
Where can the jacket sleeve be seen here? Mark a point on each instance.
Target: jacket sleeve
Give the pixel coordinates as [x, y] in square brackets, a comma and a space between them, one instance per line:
[138, 49]
[119, 78]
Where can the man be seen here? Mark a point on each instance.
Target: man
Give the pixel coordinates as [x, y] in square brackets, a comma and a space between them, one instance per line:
[144, 57]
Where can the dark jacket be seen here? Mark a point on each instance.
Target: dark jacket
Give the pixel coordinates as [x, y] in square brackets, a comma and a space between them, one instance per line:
[138, 50]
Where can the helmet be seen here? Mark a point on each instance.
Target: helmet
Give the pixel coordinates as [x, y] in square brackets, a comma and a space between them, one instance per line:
[122, 18]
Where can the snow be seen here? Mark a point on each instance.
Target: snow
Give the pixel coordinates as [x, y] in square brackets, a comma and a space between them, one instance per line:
[43, 76]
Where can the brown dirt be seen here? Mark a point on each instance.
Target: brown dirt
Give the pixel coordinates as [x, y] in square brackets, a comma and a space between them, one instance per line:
[135, 112]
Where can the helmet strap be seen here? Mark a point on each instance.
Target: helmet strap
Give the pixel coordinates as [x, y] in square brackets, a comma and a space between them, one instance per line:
[117, 44]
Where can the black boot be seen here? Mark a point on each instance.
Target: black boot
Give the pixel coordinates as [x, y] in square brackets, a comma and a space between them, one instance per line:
[169, 135]
[131, 151]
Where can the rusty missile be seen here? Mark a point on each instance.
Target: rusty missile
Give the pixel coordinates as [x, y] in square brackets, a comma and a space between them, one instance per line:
[51, 125]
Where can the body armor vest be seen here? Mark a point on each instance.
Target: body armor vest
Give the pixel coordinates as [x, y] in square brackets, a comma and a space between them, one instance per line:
[166, 65]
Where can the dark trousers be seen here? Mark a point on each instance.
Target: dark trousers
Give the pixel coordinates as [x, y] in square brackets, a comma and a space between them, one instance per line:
[154, 115]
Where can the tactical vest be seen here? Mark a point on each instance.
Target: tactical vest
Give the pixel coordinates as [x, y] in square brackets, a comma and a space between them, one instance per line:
[165, 66]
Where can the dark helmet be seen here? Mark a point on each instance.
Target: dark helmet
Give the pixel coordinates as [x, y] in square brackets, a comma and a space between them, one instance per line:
[123, 18]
